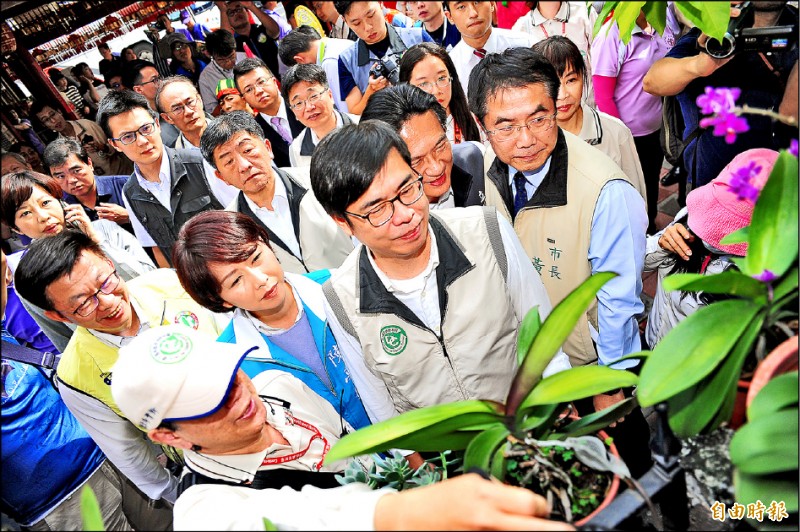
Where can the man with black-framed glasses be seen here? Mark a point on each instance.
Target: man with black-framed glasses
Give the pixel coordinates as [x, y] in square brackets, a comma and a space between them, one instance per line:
[409, 306]
[167, 186]
[75, 282]
[221, 45]
[142, 77]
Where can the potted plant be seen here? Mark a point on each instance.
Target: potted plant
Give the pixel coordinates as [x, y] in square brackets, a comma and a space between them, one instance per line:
[530, 439]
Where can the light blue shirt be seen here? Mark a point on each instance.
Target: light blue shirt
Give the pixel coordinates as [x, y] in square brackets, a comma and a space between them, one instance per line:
[617, 244]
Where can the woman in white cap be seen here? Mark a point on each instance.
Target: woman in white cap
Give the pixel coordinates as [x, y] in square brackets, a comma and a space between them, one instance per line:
[691, 244]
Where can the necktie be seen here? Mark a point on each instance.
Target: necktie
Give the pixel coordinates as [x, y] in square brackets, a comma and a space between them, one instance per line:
[480, 52]
[281, 129]
[520, 194]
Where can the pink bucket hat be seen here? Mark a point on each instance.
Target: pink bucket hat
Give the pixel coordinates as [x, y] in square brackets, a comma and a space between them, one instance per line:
[715, 210]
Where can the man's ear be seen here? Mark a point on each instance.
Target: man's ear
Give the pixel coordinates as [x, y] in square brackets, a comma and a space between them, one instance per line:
[220, 176]
[166, 117]
[448, 16]
[269, 147]
[56, 316]
[113, 144]
[343, 224]
[168, 437]
[138, 88]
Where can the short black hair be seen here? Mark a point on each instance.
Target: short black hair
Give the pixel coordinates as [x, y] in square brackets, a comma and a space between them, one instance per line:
[38, 106]
[220, 42]
[48, 260]
[562, 53]
[514, 68]
[223, 128]
[17, 187]
[346, 162]
[132, 72]
[57, 152]
[169, 81]
[397, 104]
[112, 73]
[342, 7]
[296, 42]
[103, 45]
[117, 102]
[248, 65]
[308, 73]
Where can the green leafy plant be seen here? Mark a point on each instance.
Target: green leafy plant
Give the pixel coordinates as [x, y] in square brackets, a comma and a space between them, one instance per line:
[533, 413]
[90, 510]
[395, 472]
[695, 368]
[764, 450]
[711, 17]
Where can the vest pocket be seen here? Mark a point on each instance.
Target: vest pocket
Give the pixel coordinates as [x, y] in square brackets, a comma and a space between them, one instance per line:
[196, 204]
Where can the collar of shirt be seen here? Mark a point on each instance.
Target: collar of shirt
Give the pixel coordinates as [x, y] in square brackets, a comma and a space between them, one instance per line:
[415, 283]
[113, 340]
[533, 178]
[561, 16]
[238, 468]
[163, 174]
[263, 327]
[281, 114]
[645, 32]
[591, 130]
[280, 194]
[315, 138]
[446, 201]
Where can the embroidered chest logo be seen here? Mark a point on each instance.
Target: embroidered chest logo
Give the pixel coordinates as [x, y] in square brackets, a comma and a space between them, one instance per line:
[171, 348]
[393, 339]
[187, 318]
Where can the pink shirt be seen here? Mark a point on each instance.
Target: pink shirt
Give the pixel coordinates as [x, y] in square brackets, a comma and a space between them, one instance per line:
[629, 63]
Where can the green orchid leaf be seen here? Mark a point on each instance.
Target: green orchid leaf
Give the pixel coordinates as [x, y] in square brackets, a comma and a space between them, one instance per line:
[766, 445]
[639, 355]
[498, 467]
[773, 228]
[728, 282]
[777, 394]
[90, 510]
[693, 349]
[711, 17]
[552, 334]
[625, 15]
[656, 15]
[578, 383]
[482, 448]
[737, 237]
[607, 8]
[597, 420]
[535, 421]
[269, 526]
[528, 330]
[781, 487]
[433, 420]
[692, 410]
[725, 412]
[786, 287]
[456, 440]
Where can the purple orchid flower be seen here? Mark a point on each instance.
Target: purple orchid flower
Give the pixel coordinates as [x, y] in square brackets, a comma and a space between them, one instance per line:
[765, 277]
[741, 184]
[793, 147]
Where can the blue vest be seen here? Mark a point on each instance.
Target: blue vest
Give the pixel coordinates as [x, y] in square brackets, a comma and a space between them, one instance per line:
[46, 453]
[343, 395]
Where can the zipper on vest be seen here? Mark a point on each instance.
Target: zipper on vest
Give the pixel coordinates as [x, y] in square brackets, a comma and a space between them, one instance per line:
[450, 362]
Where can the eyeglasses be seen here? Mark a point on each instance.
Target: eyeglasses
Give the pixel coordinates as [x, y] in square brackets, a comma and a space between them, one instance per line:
[179, 46]
[260, 83]
[90, 304]
[384, 210]
[177, 109]
[155, 79]
[537, 125]
[301, 104]
[49, 118]
[234, 10]
[230, 58]
[130, 137]
[441, 82]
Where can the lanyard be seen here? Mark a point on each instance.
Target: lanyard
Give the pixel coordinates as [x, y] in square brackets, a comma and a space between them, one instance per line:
[563, 30]
[316, 435]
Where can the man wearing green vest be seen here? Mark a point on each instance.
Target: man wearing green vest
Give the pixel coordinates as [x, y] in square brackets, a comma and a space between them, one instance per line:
[71, 278]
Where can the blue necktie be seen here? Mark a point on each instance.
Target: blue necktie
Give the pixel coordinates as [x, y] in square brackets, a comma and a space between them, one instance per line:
[520, 194]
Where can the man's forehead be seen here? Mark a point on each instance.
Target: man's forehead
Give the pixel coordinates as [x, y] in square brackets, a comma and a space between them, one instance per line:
[235, 140]
[302, 87]
[254, 75]
[46, 110]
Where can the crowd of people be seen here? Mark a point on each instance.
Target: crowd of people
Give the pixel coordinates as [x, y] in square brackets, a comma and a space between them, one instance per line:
[269, 237]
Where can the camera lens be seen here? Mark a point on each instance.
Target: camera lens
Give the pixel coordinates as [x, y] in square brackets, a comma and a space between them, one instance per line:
[721, 49]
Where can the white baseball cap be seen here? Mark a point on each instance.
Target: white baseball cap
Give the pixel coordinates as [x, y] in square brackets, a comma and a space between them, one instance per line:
[173, 373]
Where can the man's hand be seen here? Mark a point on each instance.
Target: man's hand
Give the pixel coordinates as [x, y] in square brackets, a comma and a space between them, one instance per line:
[675, 238]
[376, 84]
[113, 212]
[603, 401]
[468, 502]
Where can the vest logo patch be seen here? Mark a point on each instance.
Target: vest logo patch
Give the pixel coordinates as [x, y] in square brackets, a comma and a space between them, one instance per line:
[393, 339]
[187, 318]
[171, 348]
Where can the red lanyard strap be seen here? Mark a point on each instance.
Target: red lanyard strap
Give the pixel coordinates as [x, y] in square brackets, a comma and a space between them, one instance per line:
[316, 435]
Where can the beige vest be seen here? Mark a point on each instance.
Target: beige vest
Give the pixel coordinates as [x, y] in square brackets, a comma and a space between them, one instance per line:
[557, 238]
[322, 243]
[476, 357]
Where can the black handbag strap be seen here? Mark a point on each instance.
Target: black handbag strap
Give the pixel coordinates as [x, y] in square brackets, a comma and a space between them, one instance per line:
[27, 355]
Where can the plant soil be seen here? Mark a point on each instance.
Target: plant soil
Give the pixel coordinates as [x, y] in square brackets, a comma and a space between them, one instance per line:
[550, 471]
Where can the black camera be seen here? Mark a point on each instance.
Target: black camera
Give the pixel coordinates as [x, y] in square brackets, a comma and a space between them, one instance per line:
[742, 37]
[87, 139]
[388, 67]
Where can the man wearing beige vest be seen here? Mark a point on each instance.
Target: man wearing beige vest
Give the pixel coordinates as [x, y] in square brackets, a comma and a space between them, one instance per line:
[572, 207]
[426, 309]
[302, 236]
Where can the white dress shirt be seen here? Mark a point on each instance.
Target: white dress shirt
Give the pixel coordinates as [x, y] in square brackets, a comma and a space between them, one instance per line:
[279, 220]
